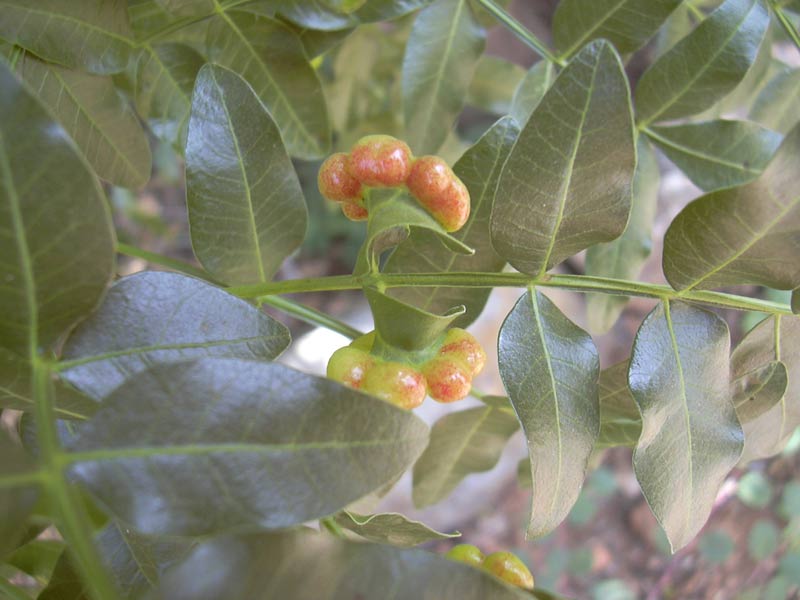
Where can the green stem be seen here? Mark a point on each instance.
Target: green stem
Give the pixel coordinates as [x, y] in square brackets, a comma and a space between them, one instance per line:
[786, 23]
[71, 517]
[311, 315]
[698, 14]
[332, 526]
[522, 32]
[10, 591]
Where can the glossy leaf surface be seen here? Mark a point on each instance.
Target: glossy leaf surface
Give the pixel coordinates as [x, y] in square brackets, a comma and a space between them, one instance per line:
[270, 57]
[531, 90]
[157, 317]
[567, 182]
[747, 234]
[705, 65]
[440, 59]
[247, 212]
[776, 105]
[691, 438]
[479, 168]
[550, 368]
[620, 421]
[56, 241]
[462, 443]
[209, 445]
[717, 154]
[16, 501]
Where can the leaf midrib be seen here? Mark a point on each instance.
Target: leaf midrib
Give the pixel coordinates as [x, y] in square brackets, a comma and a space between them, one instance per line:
[698, 154]
[71, 19]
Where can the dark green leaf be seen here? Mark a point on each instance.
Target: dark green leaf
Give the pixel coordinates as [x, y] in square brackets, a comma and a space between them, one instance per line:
[748, 234]
[158, 317]
[37, 558]
[757, 389]
[531, 90]
[187, 8]
[93, 113]
[393, 213]
[406, 327]
[272, 60]
[306, 564]
[383, 10]
[441, 54]
[209, 445]
[165, 75]
[16, 390]
[56, 240]
[705, 65]
[623, 258]
[494, 83]
[247, 212]
[312, 14]
[390, 528]
[462, 443]
[16, 501]
[776, 105]
[91, 35]
[796, 301]
[316, 43]
[135, 561]
[690, 437]
[479, 168]
[567, 182]
[773, 339]
[550, 367]
[717, 154]
[620, 421]
[627, 24]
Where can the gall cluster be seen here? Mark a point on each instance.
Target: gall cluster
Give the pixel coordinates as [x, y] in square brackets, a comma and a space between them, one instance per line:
[381, 161]
[446, 377]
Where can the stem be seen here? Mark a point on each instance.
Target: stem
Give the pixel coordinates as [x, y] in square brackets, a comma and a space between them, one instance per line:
[522, 32]
[73, 523]
[786, 23]
[311, 315]
[10, 591]
[698, 14]
[332, 526]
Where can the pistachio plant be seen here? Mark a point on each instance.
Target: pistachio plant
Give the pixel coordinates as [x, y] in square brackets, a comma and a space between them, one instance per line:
[156, 435]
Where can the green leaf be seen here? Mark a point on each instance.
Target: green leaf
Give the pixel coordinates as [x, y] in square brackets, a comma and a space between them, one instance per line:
[37, 558]
[717, 154]
[272, 60]
[312, 14]
[247, 212]
[624, 257]
[796, 301]
[562, 189]
[549, 368]
[90, 35]
[94, 114]
[159, 317]
[690, 437]
[776, 106]
[747, 234]
[406, 327]
[767, 431]
[165, 76]
[462, 443]
[627, 24]
[16, 377]
[531, 90]
[215, 444]
[384, 10]
[56, 240]
[715, 547]
[441, 54]
[306, 564]
[390, 528]
[393, 214]
[755, 388]
[315, 43]
[135, 561]
[705, 65]
[620, 421]
[763, 540]
[16, 501]
[479, 168]
[494, 83]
